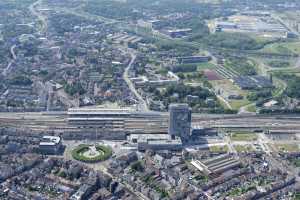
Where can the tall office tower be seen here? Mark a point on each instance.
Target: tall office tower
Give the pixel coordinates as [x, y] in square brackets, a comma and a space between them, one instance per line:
[180, 120]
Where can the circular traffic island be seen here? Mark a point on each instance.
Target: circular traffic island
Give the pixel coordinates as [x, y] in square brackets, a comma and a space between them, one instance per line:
[91, 153]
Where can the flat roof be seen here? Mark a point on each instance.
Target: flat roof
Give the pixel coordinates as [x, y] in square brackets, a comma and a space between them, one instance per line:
[98, 112]
[179, 30]
[50, 140]
[94, 118]
[146, 137]
[99, 109]
[158, 142]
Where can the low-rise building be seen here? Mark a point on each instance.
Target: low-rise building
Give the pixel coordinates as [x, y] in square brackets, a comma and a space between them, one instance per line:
[193, 59]
[157, 145]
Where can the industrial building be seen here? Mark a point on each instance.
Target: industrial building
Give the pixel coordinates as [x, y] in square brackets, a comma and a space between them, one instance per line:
[177, 33]
[262, 24]
[253, 82]
[216, 165]
[225, 25]
[193, 59]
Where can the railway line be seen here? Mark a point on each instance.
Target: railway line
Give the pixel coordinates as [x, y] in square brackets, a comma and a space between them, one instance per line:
[59, 122]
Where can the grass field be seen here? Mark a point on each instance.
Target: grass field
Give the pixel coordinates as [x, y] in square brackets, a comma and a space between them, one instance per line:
[206, 65]
[283, 48]
[227, 87]
[287, 147]
[280, 87]
[251, 108]
[243, 136]
[243, 148]
[217, 149]
[236, 104]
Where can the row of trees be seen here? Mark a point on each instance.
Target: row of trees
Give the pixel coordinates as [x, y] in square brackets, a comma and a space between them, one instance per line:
[20, 80]
[241, 65]
[260, 94]
[184, 68]
[233, 41]
[74, 88]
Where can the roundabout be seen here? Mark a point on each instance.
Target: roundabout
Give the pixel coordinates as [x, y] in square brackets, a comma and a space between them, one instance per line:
[91, 153]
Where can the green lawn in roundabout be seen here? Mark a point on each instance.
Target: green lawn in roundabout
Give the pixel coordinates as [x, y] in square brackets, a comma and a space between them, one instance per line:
[91, 153]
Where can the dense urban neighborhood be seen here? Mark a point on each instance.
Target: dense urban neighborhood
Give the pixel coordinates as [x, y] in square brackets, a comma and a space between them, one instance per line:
[150, 100]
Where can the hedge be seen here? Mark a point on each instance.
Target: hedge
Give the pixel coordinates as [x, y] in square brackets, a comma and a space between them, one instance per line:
[76, 153]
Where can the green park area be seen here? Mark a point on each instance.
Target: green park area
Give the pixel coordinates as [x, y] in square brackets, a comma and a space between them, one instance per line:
[287, 147]
[205, 65]
[285, 48]
[218, 148]
[91, 153]
[243, 136]
[243, 148]
[295, 162]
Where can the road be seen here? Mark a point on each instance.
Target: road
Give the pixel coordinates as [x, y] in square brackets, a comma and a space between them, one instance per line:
[142, 106]
[289, 28]
[224, 101]
[40, 17]
[9, 66]
[244, 109]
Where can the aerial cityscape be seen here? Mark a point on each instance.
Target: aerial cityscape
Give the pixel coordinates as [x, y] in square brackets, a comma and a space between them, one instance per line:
[149, 100]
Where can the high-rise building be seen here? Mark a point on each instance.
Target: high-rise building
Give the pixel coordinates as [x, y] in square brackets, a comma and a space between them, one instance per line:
[180, 120]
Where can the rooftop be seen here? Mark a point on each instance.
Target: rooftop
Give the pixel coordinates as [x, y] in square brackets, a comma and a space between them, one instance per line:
[50, 140]
[164, 142]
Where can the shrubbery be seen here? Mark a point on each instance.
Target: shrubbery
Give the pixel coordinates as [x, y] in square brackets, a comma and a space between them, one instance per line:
[293, 86]
[75, 88]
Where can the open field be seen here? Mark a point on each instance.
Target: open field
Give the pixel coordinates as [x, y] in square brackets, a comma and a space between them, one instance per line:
[251, 108]
[237, 104]
[277, 64]
[243, 148]
[287, 147]
[282, 48]
[226, 88]
[243, 136]
[216, 149]
[205, 65]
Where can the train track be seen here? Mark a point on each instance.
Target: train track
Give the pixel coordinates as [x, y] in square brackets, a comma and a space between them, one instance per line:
[42, 122]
